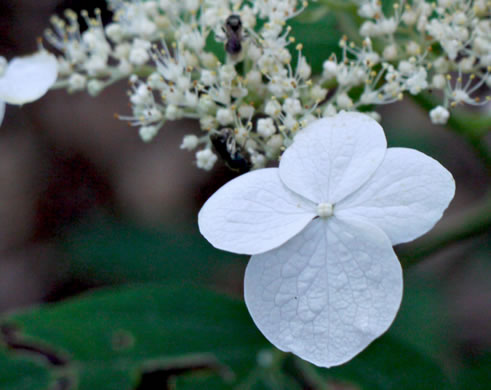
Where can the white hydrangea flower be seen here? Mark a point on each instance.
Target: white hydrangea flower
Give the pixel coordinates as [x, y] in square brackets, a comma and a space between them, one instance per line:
[324, 281]
[26, 79]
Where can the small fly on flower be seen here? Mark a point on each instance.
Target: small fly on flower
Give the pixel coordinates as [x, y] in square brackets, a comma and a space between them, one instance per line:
[231, 153]
[234, 36]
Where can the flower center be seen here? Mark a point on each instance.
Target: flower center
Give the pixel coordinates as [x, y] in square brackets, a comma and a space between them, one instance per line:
[325, 210]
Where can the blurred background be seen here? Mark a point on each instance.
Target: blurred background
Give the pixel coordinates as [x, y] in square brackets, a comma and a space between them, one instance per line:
[85, 203]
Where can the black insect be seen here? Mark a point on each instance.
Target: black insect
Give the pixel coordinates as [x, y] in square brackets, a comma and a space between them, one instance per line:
[231, 153]
[234, 36]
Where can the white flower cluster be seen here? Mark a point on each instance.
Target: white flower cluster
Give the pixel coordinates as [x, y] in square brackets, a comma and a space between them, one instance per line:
[252, 100]
[439, 38]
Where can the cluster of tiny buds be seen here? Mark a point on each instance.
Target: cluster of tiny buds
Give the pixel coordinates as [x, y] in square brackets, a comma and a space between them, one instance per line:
[254, 95]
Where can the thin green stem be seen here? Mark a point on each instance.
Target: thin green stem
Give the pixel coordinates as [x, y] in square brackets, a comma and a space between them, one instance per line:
[471, 223]
[309, 375]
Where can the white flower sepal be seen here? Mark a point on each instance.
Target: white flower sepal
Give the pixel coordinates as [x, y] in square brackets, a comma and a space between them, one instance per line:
[324, 281]
[26, 79]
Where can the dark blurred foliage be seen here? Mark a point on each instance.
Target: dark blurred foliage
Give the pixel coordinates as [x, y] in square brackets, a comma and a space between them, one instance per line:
[83, 200]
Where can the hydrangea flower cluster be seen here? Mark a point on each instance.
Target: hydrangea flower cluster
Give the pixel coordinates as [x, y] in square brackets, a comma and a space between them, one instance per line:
[254, 100]
[323, 281]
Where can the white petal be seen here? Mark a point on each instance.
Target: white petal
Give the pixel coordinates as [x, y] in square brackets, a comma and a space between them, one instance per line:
[333, 157]
[327, 293]
[253, 213]
[2, 111]
[405, 197]
[28, 78]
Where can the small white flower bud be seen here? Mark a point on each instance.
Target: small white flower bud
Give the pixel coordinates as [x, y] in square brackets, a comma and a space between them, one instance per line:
[303, 69]
[275, 143]
[258, 160]
[284, 56]
[290, 122]
[227, 73]
[122, 51]
[441, 65]
[368, 28]
[387, 26]
[162, 22]
[390, 52]
[141, 96]
[125, 67]
[272, 108]
[371, 58]
[150, 7]
[147, 133]
[191, 99]
[344, 101]
[329, 69]
[246, 111]
[369, 10]
[374, 115]
[190, 59]
[77, 82]
[413, 49]
[406, 68]
[208, 77]
[206, 104]
[318, 93]
[254, 53]
[459, 17]
[172, 112]
[96, 65]
[417, 82]
[189, 142]
[208, 122]
[155, 80]
[138, 56]
[409, 17]
[64, 67]
[254, 78]
[225, 116]
[238, 92]
[209, 60]
[94, 87]
[292, 106]
[114, 32]
[467, 64]
[330, 110]
[266, 127]
[439, 115]
[438, 81]
[205, 159]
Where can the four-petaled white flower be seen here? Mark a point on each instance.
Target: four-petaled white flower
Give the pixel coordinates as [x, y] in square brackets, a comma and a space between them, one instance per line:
[26, 79]
[324, 281]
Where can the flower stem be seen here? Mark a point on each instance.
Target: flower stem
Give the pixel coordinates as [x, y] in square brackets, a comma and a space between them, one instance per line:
[471, 223]
[309, 376]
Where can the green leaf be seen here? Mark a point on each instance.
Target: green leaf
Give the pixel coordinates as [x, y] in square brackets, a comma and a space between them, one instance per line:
[104, 250]
[476, 374]
[18, 373]
[319, 34]
[111, 336]
[389, 364]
